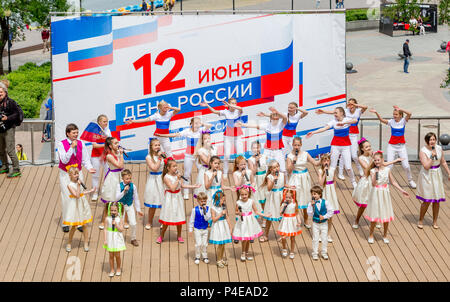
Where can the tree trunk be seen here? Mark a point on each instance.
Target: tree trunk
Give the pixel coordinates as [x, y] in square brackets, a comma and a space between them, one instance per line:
[2, 47]
[3, 41]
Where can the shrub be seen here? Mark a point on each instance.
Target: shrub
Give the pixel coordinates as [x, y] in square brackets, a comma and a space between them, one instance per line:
[361, 14]
[29, 87]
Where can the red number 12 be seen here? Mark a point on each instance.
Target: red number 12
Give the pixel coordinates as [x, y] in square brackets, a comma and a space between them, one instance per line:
[167, 83]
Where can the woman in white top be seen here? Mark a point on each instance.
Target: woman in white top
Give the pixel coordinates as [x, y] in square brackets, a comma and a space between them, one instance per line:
[430, 185]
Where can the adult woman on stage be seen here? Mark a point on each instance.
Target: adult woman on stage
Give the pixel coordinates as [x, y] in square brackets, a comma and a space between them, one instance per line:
[430, 185]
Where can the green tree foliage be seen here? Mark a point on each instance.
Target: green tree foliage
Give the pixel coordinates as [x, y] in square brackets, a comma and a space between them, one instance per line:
[25, 12]
[29, 86]
[444, 11]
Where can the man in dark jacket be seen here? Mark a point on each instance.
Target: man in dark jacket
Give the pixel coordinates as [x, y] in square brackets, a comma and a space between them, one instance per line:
[9, 115]
[407, 54]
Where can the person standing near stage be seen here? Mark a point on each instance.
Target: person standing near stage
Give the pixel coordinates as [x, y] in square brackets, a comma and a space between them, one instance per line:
[447, 49]
[72, 153]
[430, 185]
[10, 115]
[45, 35]
[407, 55]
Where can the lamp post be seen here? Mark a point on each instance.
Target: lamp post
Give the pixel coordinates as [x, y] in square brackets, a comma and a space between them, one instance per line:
[7, 15]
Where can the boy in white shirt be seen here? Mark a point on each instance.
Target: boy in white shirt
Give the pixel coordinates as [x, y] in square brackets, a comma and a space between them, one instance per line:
[127, 194]
[198, 223]
[320, 210]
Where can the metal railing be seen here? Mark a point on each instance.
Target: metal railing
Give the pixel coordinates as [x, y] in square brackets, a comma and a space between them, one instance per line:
[419, 120]
[37, 125]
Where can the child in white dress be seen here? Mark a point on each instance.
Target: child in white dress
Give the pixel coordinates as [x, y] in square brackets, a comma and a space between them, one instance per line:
[114, 242]
[275, 183]
[113, 156]
[361, 192]
[299, 175]
[247, 227]
[327, 179]
[172, 211]
[204, 151]
[242, 175]
[154, 188]
[77, 212]
[379, 206]
[258, 165]
[430, 185]
[290, 225]
[213, 179]
[220, 233]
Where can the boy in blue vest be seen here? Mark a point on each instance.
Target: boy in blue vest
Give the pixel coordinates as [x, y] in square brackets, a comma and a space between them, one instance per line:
[127, 194]
[321, 211]
[200, 216]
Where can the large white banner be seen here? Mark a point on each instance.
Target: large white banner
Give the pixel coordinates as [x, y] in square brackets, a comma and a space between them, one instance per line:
[122, 66]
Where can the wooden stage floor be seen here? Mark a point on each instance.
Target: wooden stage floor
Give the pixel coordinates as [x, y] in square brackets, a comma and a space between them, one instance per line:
[33, 244]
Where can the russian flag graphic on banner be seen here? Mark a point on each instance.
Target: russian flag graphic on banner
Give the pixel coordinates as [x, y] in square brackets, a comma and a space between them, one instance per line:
[87, 41]
[90, 42]
[277, 72]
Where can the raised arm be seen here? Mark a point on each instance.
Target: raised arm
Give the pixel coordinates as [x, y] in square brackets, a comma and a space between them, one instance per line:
[175, 110]
[235, 107]
[425, 160]
[154, 166]
[246, 125]
[312, 160]
[322, 177]
[118, 163]
[379, 116]
[289, 165]
[362, 107]
[317, 131]
[408, 113]
[170, 185]
[304, 112]
[283, 116]
[169, 134]
[74, 192]
[321, 111]
[205, 104]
